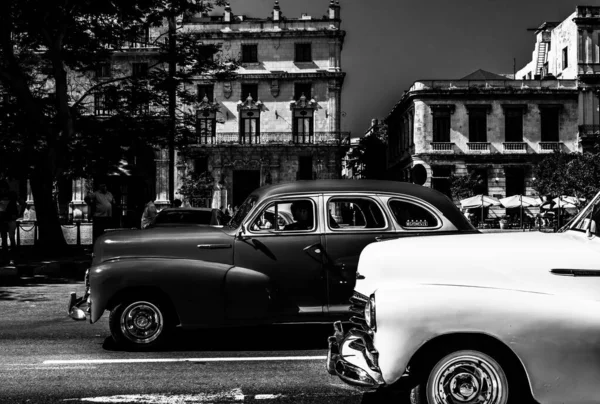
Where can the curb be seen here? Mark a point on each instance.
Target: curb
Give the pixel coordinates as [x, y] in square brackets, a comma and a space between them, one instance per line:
[72, 269]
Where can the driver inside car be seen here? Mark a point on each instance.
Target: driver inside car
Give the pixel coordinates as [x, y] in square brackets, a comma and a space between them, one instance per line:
[302, 213]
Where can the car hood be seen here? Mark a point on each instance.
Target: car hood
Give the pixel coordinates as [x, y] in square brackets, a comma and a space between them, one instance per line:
[517, 261]
[181, 242]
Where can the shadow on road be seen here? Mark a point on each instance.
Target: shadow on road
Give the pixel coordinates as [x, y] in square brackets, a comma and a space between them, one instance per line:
[254, 338]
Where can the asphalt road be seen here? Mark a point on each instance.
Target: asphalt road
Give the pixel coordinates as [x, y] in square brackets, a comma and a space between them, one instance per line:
[45, 357]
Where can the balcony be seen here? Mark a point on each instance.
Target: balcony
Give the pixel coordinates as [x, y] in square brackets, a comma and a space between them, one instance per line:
[443, 147]
[588, 68]
[514, 148]
[549, 147]
[274, 139]
[479, 147]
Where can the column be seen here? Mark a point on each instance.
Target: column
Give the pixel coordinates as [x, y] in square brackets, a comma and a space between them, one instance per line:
[589, 48]
[335, 112]
[161, 158]
[332, 55]
[580, 42]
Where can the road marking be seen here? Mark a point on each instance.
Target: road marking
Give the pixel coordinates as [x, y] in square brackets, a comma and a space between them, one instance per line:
[267, 396]
[235, 395]
[164, 360]
[232, 395]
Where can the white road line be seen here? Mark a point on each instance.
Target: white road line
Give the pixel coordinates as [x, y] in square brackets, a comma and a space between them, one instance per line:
[267, 396]
[164, 360]
[232, 395]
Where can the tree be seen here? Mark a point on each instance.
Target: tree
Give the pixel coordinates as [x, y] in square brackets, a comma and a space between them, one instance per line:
[197, 186]
[368, 158]
[464, 186]
[576, 174]
[48, 49]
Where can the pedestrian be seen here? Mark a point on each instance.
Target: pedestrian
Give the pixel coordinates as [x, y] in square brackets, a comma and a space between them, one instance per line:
[176, 203]
[4, 217]
[149, 215]
[101, 207]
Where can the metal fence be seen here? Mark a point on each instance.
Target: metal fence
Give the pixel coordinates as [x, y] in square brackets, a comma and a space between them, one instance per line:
[78, 233]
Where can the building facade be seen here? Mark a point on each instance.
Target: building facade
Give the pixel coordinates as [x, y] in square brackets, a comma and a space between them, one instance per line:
[277, 121]
[280, 120]
[497, 127]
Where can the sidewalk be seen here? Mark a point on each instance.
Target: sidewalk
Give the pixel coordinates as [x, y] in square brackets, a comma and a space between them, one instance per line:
[32, 263]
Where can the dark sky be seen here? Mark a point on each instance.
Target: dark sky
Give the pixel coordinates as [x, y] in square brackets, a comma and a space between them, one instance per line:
[392, 43]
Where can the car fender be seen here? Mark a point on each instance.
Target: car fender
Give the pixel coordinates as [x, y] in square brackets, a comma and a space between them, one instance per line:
[191, 285]
[535, 326]
[248, 295]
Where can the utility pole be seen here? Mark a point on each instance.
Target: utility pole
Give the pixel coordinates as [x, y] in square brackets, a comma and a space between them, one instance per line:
[172, 104]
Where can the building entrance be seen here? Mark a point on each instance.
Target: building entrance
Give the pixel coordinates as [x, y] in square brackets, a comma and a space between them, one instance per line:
[244, 182]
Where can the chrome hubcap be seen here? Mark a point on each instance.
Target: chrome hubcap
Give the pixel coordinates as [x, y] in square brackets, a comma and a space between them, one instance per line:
[470, 380]
[141, 322]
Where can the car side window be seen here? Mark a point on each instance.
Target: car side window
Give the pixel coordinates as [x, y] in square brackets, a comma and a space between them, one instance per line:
[349, 213]
[292, 215]
[412, 216]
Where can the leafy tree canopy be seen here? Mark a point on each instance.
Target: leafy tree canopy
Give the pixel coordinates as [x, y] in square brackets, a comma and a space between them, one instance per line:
[49, 53]
[368, 158]
[573, 174]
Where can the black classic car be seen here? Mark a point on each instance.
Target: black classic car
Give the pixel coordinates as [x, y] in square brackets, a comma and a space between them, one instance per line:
[288, 255]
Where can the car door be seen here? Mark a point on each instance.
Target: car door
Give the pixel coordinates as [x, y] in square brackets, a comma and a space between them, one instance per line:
[288, 254]
[352, 222]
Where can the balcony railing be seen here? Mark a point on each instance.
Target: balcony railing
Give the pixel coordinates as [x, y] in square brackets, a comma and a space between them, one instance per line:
[275, 139]
[549, 147]
[588, 68]
[480, 147]
[515, 147]
[492, 85]
[442, 147]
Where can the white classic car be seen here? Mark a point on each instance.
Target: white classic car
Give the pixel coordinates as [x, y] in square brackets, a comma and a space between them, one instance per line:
[478, 318]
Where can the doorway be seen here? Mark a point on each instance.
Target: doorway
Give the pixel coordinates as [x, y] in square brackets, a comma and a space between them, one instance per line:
[244, 182]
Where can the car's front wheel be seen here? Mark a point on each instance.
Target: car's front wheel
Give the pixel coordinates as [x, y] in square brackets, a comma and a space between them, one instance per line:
[139, 324]
[465, 376]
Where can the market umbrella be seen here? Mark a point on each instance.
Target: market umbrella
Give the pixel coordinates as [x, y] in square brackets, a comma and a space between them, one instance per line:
[519, 201]
[566, 201]
[479, 201]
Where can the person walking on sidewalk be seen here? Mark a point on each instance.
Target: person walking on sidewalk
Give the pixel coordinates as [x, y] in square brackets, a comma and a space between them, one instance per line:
[149, 215]
[101, 206]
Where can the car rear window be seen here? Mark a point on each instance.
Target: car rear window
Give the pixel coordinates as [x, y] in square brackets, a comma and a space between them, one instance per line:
[412, 216]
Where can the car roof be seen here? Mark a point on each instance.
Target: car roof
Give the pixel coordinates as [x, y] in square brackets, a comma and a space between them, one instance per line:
[436, 198]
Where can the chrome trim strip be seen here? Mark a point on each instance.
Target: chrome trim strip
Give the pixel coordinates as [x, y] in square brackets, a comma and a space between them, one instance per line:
[213, 246]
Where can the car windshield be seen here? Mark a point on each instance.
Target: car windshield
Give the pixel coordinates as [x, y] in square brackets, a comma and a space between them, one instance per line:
[243, 211]
[184, 216]
[588, 218]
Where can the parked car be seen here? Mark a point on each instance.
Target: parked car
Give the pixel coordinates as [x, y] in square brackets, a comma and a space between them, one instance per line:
[298, 268]
[188, 216]
[484, 319]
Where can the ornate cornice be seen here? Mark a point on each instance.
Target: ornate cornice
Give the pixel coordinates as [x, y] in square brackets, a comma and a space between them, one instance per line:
[249, 103]
[304, 103]
[228, 35]
[206, 105]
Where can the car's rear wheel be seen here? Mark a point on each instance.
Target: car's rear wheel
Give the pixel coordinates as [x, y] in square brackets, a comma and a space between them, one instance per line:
[139, 323]
[467, 376]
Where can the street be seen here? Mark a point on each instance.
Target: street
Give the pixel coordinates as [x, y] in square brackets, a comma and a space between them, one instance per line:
[46, 357]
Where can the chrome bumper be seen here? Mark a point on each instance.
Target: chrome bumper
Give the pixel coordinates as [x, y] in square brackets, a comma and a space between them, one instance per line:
[80, 307]
[353, 357]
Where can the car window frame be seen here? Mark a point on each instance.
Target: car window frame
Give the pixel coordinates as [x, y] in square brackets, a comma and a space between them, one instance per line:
[262, 205]
[373, 197]
[421, 204]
